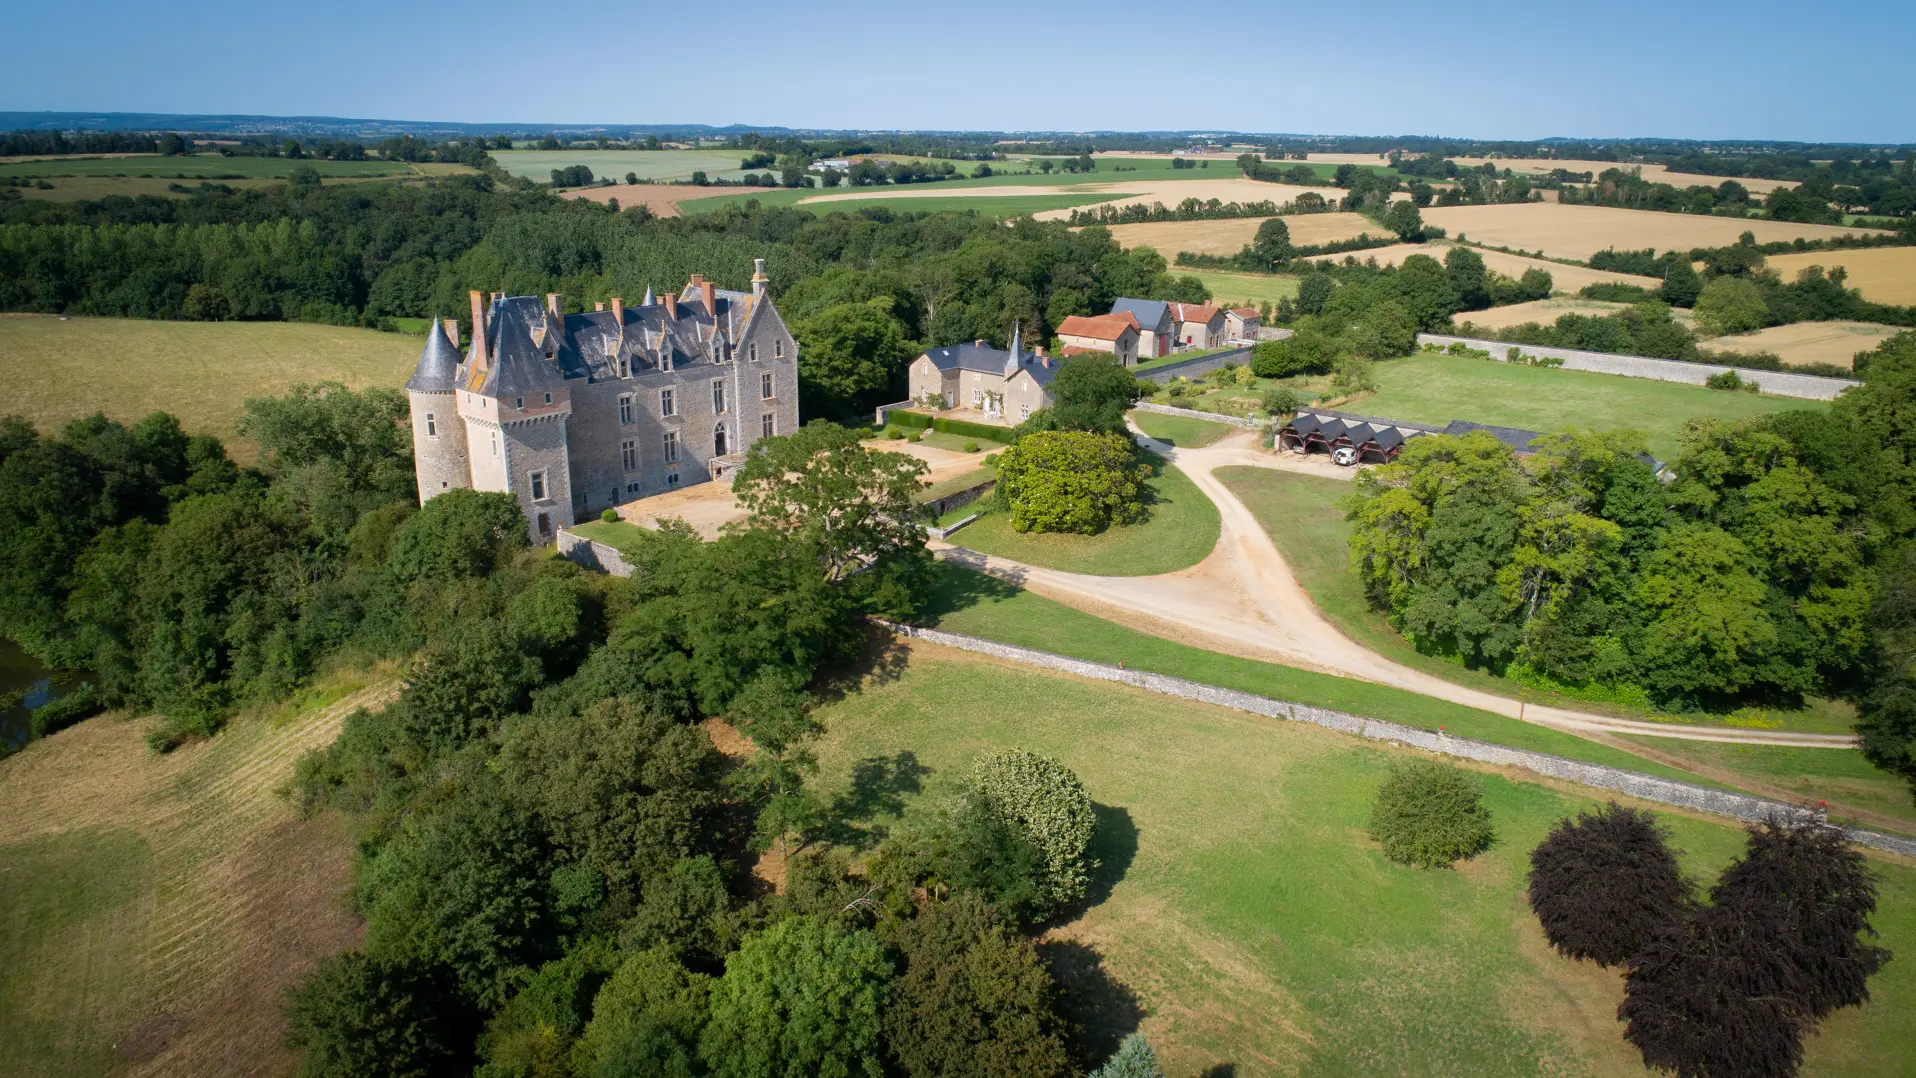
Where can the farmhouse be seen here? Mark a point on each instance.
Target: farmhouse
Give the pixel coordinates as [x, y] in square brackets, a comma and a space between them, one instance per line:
[1003, 384]
[575, 413]
[1241, 323]
[1199, 325]
[1156, 331]
[1113, 333]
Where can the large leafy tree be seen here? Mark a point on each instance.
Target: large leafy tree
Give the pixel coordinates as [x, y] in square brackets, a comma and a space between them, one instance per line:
[1092, 392]
[357, 1016]
[854, 356]
[1045, 802]
[646, 1021]
[854, 507]
[802, 999]
[1605, 883]
[1072, 481]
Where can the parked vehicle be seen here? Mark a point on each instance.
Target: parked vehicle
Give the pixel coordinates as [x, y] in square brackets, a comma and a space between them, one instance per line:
[1344, 455]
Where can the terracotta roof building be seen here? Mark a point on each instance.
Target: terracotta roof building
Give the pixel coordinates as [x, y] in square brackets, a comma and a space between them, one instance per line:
[1115, 333]
[1199, 325]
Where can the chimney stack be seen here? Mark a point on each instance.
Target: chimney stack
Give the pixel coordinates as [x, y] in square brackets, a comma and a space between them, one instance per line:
[671, 306]
[618, 312]
[759, 281]
[597, 306]
[479, 360]
[554, 310]
[452, 331]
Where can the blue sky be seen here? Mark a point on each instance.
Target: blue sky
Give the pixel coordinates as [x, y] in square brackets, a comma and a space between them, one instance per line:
[1757, 69]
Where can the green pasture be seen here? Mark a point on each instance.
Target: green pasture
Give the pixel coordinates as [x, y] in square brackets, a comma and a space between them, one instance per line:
[202, 166]
[1427, 388]
[1180, 531]
[659, 165]
[1241, 917]
[1241, 289]
[1180, 431]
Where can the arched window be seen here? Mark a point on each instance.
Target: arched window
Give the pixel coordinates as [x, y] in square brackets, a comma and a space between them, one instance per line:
[718, 440]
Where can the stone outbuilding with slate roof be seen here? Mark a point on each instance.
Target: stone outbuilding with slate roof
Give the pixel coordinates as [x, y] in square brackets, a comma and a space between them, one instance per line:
[1157, 330]
[577, 413]
[1002, 384]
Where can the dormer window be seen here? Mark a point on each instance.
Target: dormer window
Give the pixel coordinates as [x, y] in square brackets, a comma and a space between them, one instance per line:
[623, 369]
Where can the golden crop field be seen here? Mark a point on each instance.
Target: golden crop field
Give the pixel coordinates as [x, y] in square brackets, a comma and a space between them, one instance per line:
[1229, 236]
[1653, 173]
[1578, 232]
[1563, 278]
[1542, 311]
[1882, 274]
[1810, 342]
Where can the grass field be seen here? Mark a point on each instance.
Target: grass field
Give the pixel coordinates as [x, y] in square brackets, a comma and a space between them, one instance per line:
[201, 372]
[1566, 231]
[537, 165]
[1438, 389]
[1882, 274]
[1261, 931]
[203, 166]
[1241, 289]
[1227, 237]
[616, 534]
[1562, 278]
[1546, 312]
[1181, 530]
[1810, 342]
[153, 910]
[1179, 430]
[1003, 208]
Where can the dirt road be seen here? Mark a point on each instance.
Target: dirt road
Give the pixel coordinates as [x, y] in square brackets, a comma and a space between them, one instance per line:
[1243, 599]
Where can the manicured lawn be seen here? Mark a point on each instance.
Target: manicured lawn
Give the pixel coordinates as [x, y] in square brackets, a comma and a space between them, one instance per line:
[1179, 533]
[1840, 776]
[617, 534]
[1260, 930]
[978, 605]
[1179, 430]
[202, 372]
[1438, 389]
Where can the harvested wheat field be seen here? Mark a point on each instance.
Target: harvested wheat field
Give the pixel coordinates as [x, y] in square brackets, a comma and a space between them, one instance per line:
[1810, 342]
[1121, 192]
[1230, 236]
[1653, 173]
[1546, 311]
[1563, 278]
[154, 909]
[1882, 274]
[1561, 231]
[662, 199]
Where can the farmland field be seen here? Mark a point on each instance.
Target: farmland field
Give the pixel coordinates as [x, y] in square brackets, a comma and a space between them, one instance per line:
[201, 372]
[1810, 342]
[1882, 274]
[1227, 237]
[664, 200]
[661, 165]
[1546, 311]
[985, 203]
[204, 166]
[1652, 173]
[1438, 389]
[1578, 232]
[1562, 278]
[1261, 931]
[1241, 289]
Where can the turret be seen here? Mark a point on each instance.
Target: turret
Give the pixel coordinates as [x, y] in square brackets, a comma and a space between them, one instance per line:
[439, 449]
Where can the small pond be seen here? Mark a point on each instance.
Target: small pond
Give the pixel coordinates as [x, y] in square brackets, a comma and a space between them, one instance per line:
[24, 686]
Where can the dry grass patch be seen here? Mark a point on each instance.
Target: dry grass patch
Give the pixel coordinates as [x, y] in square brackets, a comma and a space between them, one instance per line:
[1563, 278]
[1811, 342]
[1547, 311]
[1652, 173]
[1227, 237]
[1882, 274]
[1575, 231]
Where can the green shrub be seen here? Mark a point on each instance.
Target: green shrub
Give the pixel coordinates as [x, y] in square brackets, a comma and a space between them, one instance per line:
[610, 515]
[971, 447]
[1072, 481]
[1731, 381]
[84, 702]
[1279, 401]
[1045, 800]
[1429, 815]
[908, 419]
[964, 429]
[895, 435]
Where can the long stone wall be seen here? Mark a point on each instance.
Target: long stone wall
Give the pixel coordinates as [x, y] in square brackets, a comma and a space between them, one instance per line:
[1779, 383]
[1191, 368]
[1193, 413]
[1631, 783]
[593, 555]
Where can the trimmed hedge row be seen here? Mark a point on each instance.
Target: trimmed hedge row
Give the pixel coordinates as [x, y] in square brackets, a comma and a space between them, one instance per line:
[958, 427]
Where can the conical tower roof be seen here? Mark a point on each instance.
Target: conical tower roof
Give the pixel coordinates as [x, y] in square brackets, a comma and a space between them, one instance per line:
[1015, 358]
[438, 366]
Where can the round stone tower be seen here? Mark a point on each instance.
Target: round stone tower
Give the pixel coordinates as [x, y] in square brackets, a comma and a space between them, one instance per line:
[439, 450]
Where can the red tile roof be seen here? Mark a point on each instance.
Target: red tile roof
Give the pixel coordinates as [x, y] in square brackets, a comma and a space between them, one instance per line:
[1193, 312]
[1099, 327]
[1245, 312]
[1079, 350]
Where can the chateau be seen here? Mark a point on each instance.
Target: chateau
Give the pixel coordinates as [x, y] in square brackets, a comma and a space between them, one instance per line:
[575, 413]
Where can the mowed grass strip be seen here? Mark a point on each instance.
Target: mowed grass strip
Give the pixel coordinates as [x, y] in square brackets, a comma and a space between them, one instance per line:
[1180, 532]
[1437, 389]
[202, 372]
[1181, 431]
[1260, 929]
[975, 604]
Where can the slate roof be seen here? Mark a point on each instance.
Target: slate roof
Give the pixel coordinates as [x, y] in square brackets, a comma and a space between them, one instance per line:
[1514, 437]
[983, 358]
[438, 367]
[1148, 312]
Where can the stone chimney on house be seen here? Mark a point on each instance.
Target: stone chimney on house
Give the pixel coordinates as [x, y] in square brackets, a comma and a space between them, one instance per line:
[479, 360]
[597, 306]
[554, 310]
[452, 331]
[760, 282]
[671, 306]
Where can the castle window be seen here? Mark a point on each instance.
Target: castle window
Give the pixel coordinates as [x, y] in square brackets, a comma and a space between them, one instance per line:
[545, 524]
[625, 408]
[629, 454]
[623, 369]
[518, 402]
[765, 387]
[1024, 411]
[751, 351]
[767, 425]
[432, 427]
[718, 396]
[778, 349]
[668, 405]
[672, 480]
[718, 440]
[631, 488]
[538, 481]
[671, 445]
[548, 398]
[495, 443]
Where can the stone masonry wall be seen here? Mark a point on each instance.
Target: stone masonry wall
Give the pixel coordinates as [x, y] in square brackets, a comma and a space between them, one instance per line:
[1779, 383]
[1645, 787]
[1191, 368]
[593, 555]
[1192, 413]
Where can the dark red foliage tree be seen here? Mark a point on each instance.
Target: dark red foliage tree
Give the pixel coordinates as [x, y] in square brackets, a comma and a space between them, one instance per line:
[1606, 883]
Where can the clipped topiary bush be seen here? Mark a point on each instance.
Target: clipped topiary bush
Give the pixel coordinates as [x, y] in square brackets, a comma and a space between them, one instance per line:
[1605, 883]
[1429, 815]
[971, 447]
[610, 516]
[1043, 799]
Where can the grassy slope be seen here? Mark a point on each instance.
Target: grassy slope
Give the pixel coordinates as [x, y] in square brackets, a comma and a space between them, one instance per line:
[973, 603]
[201, 372]
[1181, 530]
[616, 534]
[1258, 926]
[1438, 389]
[1180, 431]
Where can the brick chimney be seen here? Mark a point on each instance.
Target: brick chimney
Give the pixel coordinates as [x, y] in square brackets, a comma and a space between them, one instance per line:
[711, 301]
[618, 312]
[555, 310]
[671, 306]
[596, 307]
[760, 282]
[452, 331]
[479, 360]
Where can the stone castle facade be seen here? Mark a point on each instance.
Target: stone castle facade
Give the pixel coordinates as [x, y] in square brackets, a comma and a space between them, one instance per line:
[577, 413]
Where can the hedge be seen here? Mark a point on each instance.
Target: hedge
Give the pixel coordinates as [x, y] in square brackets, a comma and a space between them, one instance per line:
[950, 426]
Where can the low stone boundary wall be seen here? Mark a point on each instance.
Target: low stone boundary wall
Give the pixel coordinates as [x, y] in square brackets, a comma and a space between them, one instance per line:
[1189, 368]
[1193, 413]
[1780, 383]
[1645, 787]
[957, 498]
[577, 548]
